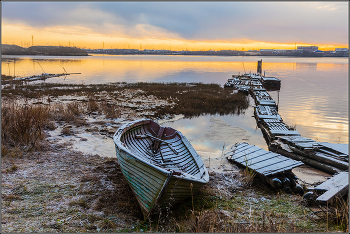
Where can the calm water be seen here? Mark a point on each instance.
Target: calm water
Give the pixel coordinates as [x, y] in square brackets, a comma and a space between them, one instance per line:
[313, 95]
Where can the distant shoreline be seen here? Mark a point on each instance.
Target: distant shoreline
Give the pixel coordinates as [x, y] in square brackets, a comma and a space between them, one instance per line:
[91, 54]
[245, 55]
[74, 51]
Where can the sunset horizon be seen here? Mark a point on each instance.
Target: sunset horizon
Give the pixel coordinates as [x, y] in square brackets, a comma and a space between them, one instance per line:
[176, 25]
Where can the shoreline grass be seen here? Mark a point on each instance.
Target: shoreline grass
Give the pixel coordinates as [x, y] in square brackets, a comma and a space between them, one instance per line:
[189, 99]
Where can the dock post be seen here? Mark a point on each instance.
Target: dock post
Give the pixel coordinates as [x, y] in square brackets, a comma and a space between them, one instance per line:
[259, 67]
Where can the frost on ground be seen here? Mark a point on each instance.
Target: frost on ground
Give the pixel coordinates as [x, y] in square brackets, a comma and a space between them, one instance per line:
[59, 190]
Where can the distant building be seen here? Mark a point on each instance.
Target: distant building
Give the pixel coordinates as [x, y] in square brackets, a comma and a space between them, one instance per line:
[279, 51]
[308, 48]
[342, 49]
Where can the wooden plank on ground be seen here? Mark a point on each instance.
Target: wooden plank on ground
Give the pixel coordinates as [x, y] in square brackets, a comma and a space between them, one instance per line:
[339, 179]
[280, 167]
[338, 185]
[260, 160]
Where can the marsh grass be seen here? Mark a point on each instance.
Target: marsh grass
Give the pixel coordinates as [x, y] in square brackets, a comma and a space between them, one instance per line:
[248, 173]
[189, 99]
[22, 125]
[72, 112]
[335, 214]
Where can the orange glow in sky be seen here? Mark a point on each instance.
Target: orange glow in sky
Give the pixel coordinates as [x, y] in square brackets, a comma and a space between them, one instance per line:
[82, 37]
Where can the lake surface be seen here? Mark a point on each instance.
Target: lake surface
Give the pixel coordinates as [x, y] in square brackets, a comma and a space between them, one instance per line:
[313, 95]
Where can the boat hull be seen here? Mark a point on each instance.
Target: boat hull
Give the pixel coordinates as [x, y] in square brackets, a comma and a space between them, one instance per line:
[158, 179]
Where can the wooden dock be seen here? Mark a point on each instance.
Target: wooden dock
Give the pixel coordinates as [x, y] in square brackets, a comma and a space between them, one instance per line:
[320, 151]
[273, 168]
[336, 186]
[262, 97]
[274, 128]
[253, 81]
[266, 112]
[284, 140]
[263, 162]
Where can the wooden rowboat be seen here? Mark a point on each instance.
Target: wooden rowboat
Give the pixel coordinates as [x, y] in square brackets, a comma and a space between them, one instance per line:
[159, 163]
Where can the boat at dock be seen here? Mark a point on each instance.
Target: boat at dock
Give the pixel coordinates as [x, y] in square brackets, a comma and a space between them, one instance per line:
[159, 163]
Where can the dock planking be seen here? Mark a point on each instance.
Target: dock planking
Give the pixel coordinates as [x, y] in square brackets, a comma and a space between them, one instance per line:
[263, 162]
[325, 153]
[337, 185]
[262, 97]
[277, 127]
[266, 112]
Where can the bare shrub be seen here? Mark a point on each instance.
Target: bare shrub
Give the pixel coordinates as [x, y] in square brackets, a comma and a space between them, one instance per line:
[111, 110]
[92, 104]
[74, 108]
[23, 125]
[70, 112]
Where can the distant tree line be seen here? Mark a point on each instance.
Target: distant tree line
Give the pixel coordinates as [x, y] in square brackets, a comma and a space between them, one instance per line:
[42, 50]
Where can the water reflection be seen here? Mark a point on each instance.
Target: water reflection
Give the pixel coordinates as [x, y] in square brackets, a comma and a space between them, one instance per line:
[209, 135]
[313, 95]
[308, 66]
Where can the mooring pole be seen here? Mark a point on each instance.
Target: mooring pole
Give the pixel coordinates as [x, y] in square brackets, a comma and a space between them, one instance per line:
[259, 70]
[278, 98]
[14, 67]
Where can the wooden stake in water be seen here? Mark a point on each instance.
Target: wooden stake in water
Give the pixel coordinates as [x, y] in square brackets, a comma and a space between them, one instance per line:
[209, 162]
[222, 154]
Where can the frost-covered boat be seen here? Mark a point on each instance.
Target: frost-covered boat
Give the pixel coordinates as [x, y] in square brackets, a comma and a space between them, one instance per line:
[159, 163]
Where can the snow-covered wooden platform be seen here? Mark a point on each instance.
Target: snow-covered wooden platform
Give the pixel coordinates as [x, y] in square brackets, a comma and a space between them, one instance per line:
[263, 162]
[337, 185]
[266, 112]
[262, 97]
[334, 155]
[275, 127]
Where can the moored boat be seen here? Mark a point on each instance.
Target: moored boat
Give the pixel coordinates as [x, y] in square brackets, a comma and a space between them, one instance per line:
[159, 163]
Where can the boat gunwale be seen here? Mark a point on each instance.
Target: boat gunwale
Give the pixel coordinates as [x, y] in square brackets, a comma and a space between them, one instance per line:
[204, 175]
[120, 145]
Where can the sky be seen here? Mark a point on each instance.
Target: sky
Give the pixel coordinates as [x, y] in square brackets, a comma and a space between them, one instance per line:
[177, 25]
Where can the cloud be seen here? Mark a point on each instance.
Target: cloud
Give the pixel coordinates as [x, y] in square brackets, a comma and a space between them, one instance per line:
[313, 22]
